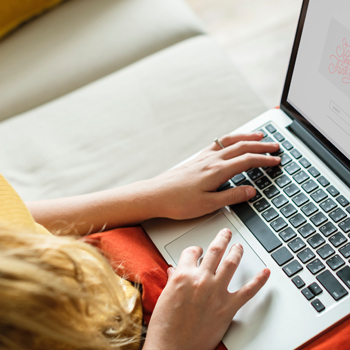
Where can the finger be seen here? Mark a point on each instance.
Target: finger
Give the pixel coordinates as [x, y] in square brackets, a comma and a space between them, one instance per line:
[229, 140]
[243, 147]
[216, 251]
[230, 264]
[190, 256]
[249, 290]
[249, 160]
[234, 195]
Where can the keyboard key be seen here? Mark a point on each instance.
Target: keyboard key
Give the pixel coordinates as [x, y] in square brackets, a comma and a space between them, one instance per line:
[263, 132]
[271, 191]
[288, 210]
[315, 266]
[257, 196]
[296, 244]
[309, 186]
[304, 162]
[307, 293]
[300, 199]
[325, 252]
[274, 172]
[278, 224]
[301, 177]
[291, 190]
[270, 128]
[319, 196]
[280, 201]
[287, 234]
[279, 137]
[315, 288]
[261, 205]
[267, 139]
[297, 220]
[323, 181]
[285, 159]
[328, 205]
[318, 305]
[316, 240]
[296, 154]
[292, 268]
[337, 215]
[287, 145]
[337, 239]
[257, 226]
[330, 283]
[318, 219]
[282, 255]
[255, 173]
[333, 191]
[328, 229]
[297, 280]
[345, 225]
[292, 168]
[245, 183]
[306, 255]
[342, 201]
[263, 182]
[345, 251]
[344, 275]
[270, 214]
[282, 181]
[309, 209]
[306, 230]
[225, 186]
[314, 172]
[277, 153]
[335, 262]
[238, 178]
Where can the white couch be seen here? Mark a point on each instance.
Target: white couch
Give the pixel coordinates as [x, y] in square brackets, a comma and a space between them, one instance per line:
[97, 94]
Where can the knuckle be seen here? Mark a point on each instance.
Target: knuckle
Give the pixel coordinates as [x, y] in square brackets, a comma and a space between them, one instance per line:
[249, 157]
[230, 264]
[249, 292]
[193, 250]
[215, 248]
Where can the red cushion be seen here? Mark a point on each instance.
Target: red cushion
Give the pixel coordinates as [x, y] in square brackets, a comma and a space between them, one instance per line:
[133, 255]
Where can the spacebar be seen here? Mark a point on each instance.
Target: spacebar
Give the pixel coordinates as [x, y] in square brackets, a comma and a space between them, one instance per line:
[257, 226]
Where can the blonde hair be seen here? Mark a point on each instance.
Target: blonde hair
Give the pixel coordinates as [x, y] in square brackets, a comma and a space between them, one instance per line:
[59, 293]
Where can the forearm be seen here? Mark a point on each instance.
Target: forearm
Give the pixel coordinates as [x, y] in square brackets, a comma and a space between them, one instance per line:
[79, 215]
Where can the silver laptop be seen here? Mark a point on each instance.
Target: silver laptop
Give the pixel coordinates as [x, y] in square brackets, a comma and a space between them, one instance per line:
[298, 224]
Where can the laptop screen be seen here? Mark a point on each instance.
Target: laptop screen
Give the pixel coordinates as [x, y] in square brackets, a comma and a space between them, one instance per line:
[320, 84]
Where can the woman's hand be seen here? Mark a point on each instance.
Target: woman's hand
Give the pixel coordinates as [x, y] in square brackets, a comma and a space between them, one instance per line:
[189, 190]
[195, 309]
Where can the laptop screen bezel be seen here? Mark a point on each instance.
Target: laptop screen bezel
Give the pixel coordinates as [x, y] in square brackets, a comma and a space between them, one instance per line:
[289, 109]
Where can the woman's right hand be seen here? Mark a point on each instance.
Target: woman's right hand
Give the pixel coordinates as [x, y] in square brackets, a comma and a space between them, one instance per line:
[195, 308]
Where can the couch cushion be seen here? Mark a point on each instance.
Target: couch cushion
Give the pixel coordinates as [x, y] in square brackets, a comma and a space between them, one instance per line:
[81, 41]
[128, 126]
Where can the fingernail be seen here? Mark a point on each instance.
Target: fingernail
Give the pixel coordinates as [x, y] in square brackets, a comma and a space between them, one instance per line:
[239, 246]
[250, 192]
[277, 158]
[267, 272]
[227, 231]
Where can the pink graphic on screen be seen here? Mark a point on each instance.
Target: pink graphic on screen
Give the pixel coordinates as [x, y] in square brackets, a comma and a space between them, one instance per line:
[341, 62]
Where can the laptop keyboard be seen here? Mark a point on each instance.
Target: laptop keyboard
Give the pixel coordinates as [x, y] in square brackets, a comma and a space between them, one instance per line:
[300, 218]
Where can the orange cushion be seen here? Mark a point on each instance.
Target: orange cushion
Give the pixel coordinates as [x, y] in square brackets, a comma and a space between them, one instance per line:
[134, 256]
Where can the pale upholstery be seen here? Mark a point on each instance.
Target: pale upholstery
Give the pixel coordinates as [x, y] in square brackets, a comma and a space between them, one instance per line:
[81, 41]
[130, 125]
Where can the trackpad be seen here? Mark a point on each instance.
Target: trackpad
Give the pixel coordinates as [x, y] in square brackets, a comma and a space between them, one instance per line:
[203, 234]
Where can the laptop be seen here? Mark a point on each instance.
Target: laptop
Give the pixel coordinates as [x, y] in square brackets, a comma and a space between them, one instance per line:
[298, 224]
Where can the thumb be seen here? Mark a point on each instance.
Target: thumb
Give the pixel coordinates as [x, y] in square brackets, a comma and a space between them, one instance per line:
[235, 195]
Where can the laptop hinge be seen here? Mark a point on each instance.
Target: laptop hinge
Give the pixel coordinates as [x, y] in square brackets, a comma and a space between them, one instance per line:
[321, 151]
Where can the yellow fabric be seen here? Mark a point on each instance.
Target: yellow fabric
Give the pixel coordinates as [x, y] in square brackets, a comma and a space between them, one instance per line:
[15, 12]
[13, 212]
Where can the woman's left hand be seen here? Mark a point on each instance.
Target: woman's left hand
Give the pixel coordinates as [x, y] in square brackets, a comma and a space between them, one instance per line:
[189, 190]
